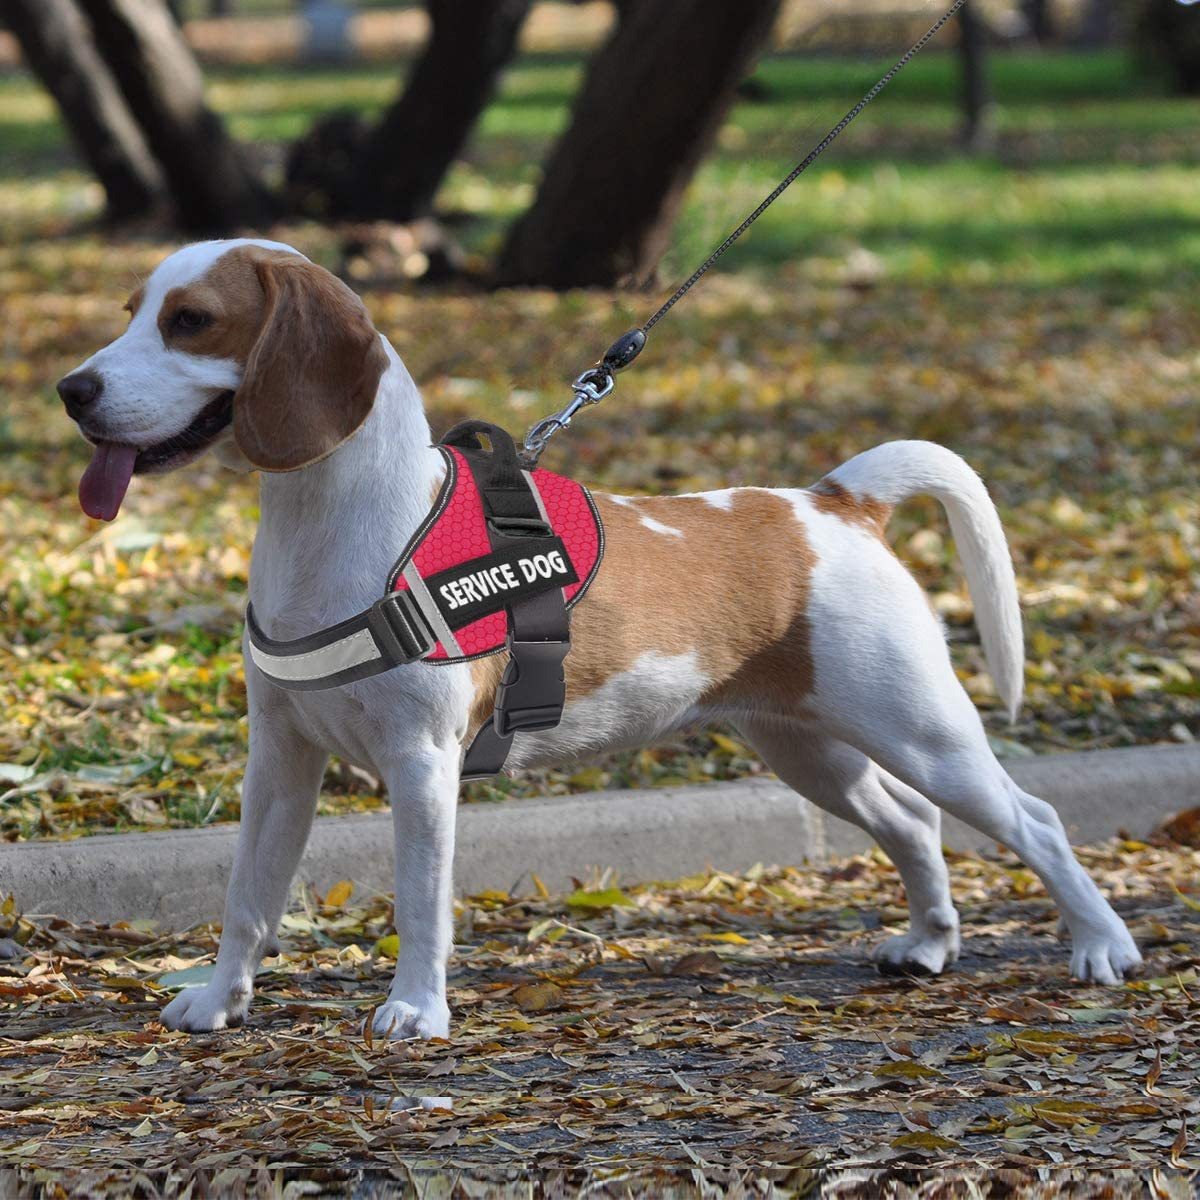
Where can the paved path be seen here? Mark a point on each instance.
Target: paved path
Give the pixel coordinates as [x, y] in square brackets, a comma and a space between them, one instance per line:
[723, 1024]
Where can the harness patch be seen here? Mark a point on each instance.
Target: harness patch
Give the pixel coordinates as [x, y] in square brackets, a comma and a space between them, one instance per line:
[486, 585]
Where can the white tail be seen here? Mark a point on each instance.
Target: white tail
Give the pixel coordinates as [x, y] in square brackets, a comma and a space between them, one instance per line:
[896, 471]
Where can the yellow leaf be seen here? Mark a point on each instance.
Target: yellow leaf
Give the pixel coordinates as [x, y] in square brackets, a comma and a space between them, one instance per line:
[1188, 901]
[537, 997]
[542, 889]
[589, 779]
[388, 947]
[924, 1141]
[605, 898]
[728, 745]
[148, 1059]
[339, 894]
[734, 939]
[144, 1128]
[905, 1068]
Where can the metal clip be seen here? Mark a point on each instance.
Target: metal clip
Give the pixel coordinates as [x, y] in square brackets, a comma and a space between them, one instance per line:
[590, 388]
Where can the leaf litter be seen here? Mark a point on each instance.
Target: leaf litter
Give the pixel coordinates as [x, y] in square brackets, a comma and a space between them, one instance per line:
[727, 1023]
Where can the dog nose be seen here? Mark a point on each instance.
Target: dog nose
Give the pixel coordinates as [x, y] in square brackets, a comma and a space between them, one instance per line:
[79, 390]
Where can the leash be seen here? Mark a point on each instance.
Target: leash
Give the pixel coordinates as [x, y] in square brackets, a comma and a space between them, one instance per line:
[598, 381]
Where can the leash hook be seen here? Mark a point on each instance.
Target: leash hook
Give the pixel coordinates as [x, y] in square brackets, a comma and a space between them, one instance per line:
[590, 388]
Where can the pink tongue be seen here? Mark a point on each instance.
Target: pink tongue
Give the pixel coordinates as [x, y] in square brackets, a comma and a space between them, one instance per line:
[106, 480]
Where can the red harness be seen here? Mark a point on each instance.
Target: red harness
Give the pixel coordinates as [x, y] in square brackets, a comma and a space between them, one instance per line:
[456, 533]
[496, 565]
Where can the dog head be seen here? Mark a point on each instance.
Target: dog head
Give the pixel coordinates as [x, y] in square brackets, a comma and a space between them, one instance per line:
[245, 345]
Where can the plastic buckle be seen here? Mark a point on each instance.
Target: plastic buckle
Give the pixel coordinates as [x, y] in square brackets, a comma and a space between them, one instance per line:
[399, 628]
[532, 691]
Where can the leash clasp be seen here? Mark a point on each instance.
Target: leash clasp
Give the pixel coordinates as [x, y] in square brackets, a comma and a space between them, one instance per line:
[590, 388]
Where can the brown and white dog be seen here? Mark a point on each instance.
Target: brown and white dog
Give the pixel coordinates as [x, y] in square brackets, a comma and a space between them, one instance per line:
[781, 611]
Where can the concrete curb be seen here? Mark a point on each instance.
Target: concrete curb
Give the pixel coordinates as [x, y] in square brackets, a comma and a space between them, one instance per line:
[178, 878]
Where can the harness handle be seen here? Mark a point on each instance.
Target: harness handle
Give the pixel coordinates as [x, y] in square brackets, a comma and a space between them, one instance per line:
[504, 468]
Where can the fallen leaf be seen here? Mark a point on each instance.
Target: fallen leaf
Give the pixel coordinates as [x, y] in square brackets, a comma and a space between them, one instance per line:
[538, 997]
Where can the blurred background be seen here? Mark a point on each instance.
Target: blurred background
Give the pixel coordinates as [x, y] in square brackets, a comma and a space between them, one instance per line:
[1001, 255]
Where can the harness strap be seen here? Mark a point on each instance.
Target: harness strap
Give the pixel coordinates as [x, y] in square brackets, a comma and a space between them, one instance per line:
[393, 631]
[532, 691]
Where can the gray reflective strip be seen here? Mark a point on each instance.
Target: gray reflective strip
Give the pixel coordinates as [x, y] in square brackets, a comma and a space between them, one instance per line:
[537, 496]
[533, 487]
[430, 611]
[351, 651]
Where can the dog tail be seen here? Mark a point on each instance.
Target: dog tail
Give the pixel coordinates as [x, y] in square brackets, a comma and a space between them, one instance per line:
[894, 472]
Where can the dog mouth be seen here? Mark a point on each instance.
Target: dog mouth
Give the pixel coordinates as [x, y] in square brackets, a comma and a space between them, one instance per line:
[106, 479]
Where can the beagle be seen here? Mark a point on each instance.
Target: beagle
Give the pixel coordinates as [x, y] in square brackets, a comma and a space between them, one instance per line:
[782, 611]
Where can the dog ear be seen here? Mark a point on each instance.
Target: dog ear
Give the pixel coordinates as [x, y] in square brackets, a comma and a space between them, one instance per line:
[311, 377]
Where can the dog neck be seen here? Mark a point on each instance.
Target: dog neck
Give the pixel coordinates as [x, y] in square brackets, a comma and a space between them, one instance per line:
[330, 532]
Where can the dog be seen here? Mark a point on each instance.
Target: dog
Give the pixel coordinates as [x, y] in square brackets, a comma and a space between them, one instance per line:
[781, 611]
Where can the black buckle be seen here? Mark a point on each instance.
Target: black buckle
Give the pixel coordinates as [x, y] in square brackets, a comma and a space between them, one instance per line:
[399, 628]
[532, 691]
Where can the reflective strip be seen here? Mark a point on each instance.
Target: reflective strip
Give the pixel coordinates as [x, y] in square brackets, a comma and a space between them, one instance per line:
[350, 651]
[533, 487]
[430, 611]
[541, 505]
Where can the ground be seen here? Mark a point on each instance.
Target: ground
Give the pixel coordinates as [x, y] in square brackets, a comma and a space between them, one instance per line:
[1034, 310]
[722, 1023]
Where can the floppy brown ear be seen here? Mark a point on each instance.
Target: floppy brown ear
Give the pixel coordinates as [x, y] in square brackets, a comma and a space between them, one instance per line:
[311, 377]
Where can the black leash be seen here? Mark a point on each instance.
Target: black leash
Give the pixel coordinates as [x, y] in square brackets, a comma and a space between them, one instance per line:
[596, 382]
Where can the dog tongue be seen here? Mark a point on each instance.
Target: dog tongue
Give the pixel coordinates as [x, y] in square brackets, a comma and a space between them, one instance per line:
[106, 480]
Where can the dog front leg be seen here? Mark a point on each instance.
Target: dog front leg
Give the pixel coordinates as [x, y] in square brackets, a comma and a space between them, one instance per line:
[424, 793]
[279, 797]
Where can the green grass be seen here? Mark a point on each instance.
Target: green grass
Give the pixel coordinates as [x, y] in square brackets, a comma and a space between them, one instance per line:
[1092, 180]
[1034, 309]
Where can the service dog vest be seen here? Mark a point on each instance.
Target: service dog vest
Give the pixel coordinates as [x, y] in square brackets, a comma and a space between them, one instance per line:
[502, 556]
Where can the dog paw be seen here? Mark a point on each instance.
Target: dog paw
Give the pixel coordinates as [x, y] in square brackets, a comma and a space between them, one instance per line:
[203, 1009]
[397, 1019]
[917, 953]
[1106, 958]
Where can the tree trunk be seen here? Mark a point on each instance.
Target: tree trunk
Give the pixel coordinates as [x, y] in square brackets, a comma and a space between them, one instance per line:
[1041, 20]
[652, 102]
[1098, 25]
[57, 45]
[976, 93]
[1167, 38]
[212, 186]
[405, 157]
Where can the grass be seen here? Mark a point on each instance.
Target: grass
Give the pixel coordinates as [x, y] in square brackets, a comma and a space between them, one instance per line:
[1033, 309]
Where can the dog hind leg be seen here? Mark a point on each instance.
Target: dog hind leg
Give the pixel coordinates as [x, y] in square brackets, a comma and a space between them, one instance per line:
[846, 783]
[943, 753]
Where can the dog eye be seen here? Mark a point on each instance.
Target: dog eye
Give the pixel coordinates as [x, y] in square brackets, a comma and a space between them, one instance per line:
[188, 320]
